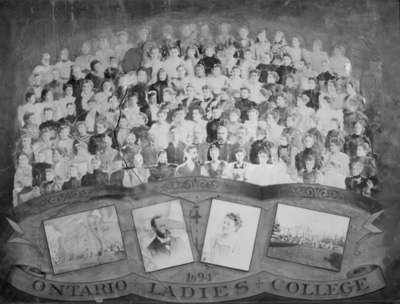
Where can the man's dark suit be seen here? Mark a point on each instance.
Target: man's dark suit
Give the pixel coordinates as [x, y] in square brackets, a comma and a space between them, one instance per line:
[157, 247]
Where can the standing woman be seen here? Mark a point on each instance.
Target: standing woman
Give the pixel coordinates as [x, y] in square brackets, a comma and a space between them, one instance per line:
[160, 85]
[102, 97]
[295, 51]
[85, 57]
[317, 56]
[191, 59]
[279, 44]
[123, 45]
[168, 40]
[261, 45]
[104, 52]
[187, 38]
[134, 56]
[153, 63]
[244, 42]
[141, 89]
[205, 37]
[199, 79]
[181, 79]
[335, 166]
[225, 38]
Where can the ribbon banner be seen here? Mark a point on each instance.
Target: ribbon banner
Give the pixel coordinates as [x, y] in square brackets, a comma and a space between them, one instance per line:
[30, 249]
[353, 286]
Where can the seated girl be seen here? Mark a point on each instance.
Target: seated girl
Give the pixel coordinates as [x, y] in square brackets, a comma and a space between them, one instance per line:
[274, 130]
[216, 80]
[335, 166]
[215, 167]
[310, 174]
[82, 159]
[22, 178]
[251, 124]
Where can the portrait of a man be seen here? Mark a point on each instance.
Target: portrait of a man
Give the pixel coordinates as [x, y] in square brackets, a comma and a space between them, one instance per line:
[163, 242]
[230, 235]
[162, 236]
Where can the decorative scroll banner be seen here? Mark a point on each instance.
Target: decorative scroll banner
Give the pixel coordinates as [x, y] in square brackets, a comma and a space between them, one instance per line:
[198, 184]
[29, 254]
[358, 283]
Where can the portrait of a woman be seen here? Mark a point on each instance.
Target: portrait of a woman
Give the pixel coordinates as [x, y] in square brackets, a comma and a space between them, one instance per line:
[226, 243]
[230, 235]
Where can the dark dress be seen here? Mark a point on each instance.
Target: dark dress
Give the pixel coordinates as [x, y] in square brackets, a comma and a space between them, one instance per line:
[72, 183]
[215, 172]
[244, 105]
[209, 63]
[159, 87]
[264, 69]
[141, 90]
[212, 127]
[95, 142]
[96, 178]
[50, 124]
[161, 171]
[116, 178]
[224, 150]
[301, 157]
[356, 184]
[39, 173]
[175, 153]
[77, 85]
[97, 81]
[132, 59]
[352, 142]
[284, 71]
[314, 99]
[325, 76]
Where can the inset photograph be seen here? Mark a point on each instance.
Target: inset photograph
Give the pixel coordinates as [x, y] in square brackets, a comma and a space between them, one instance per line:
[308, 237]
[84, 239]
[230, 235]
[162, 235]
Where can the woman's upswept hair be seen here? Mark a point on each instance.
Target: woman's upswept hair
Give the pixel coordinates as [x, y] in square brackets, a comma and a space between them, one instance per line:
[235, 217]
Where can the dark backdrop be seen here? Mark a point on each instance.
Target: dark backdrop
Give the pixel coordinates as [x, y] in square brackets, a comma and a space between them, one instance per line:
[368, 28]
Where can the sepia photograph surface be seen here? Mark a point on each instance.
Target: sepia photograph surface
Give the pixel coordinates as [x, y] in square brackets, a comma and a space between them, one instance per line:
[230, 235]
[162, 236]
[180, 101]
[84, 239]
[308, 237]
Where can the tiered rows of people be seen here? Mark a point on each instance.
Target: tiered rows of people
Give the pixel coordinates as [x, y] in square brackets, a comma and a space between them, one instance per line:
[230, 107]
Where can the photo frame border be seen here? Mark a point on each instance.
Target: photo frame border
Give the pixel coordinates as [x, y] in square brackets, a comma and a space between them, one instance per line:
[255, 236]
[186, 230]
[92, 266]
[298, 263]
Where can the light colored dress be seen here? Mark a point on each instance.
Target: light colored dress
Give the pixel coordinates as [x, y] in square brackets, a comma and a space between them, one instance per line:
[335, 169]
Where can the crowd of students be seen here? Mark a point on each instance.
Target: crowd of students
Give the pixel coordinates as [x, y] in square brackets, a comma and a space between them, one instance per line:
[223, 104]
